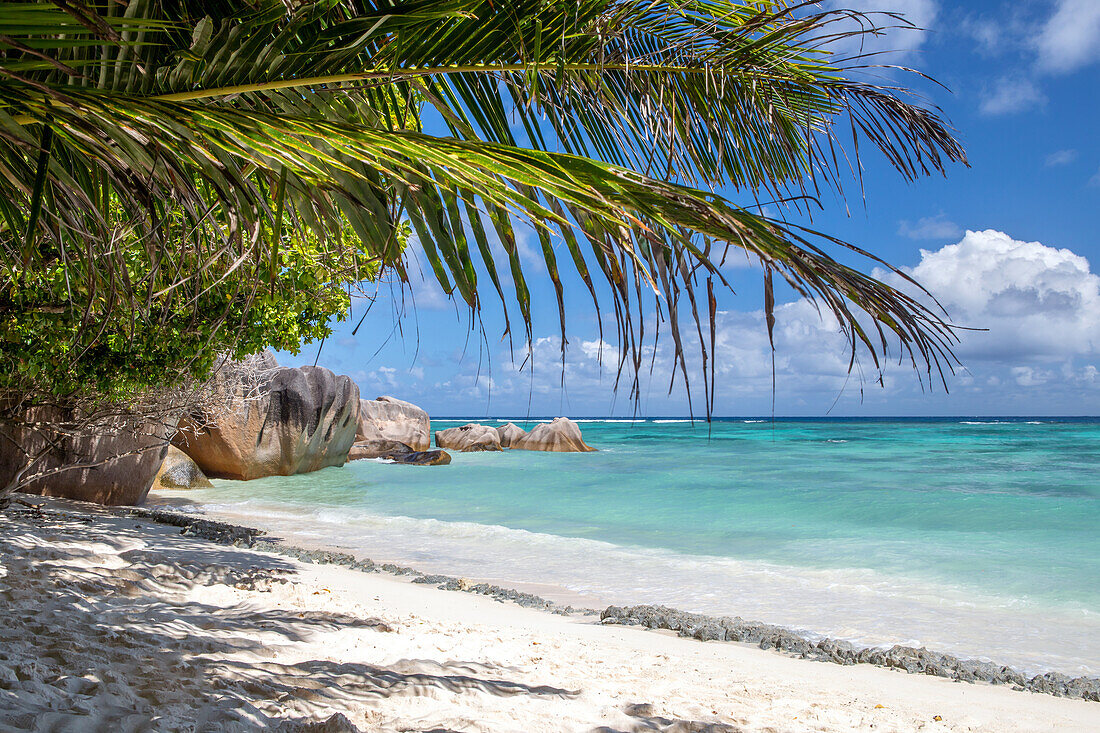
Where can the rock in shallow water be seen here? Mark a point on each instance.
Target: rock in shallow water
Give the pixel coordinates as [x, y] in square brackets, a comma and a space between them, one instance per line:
[422, 458]
[509, 433]
[468, 438]
[361, 449]
[398, 453]
[388, 418]
[560, 436]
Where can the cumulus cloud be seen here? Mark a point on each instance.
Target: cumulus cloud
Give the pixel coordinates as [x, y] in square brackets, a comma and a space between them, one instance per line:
[1011, 94]
[1037, 302]
[930, 227]
[1026, 376]
[1039, 306]
[1061, 157]
[1039, 352]
[1070, 39]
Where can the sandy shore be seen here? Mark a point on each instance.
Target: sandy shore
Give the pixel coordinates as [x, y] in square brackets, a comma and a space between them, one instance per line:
[115, 623]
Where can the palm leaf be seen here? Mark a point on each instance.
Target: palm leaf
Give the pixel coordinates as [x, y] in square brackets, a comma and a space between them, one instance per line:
[214, 107]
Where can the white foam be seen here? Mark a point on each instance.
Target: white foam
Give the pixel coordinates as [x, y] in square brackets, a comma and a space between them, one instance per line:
[641, 419]
[860, 605]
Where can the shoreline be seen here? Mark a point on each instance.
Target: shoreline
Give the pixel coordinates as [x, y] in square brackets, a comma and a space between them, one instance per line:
[116, 621]
[969, 560]
[701, 627]
[863, 607]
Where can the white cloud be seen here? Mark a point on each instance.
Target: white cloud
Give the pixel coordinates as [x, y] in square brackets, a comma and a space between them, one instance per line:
[1088, 374]
[894, 36]
[1061, 157]
[385, 376]
[1095, 180]
[930, 227]
[1070, 39]
[1037, 302]
[1011, 94]
[1039, 354]
[598, 349]
[990, 35]
[1029, 376]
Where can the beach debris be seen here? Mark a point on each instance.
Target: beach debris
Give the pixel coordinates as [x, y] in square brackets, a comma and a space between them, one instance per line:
[195, 526]
[903, 658]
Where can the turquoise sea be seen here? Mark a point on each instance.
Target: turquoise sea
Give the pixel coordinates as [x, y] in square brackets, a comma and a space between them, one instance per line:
[976, 536]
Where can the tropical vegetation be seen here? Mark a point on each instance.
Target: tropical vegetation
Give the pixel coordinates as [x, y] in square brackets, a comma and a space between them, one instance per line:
[182, 178]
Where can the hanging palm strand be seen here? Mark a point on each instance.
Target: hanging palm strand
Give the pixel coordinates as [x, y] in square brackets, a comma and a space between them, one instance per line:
[216, 132]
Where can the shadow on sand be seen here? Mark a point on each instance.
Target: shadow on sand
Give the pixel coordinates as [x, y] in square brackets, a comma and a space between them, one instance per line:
[109, 625]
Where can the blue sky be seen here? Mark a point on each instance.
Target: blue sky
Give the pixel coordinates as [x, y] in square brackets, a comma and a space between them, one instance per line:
[1007, 245]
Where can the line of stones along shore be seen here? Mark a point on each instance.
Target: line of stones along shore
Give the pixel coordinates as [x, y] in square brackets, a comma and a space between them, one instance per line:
[693, 625]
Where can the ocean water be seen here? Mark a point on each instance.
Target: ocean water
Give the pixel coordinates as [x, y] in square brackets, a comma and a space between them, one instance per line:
[979, 537]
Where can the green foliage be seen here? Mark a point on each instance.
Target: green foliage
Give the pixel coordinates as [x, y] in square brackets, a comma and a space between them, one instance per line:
[239, 113]
[62, 337]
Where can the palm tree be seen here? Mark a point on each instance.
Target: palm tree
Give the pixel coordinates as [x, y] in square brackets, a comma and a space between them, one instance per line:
[214, 134]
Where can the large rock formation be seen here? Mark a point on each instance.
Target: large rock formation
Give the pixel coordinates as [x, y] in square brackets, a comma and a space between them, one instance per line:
[509, 433]
[468, 438]
[276, 421]
[562, 436]
[388, 418]
[178, 471]
[107, 461]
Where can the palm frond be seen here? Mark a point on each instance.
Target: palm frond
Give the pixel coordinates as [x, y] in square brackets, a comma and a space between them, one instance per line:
[216, 106]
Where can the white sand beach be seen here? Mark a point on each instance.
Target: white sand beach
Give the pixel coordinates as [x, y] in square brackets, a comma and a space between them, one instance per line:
[115, 623]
